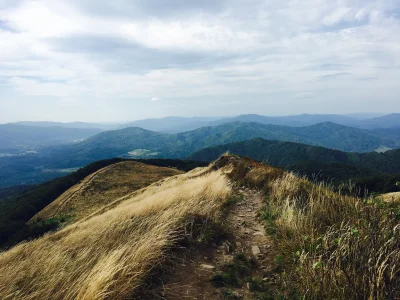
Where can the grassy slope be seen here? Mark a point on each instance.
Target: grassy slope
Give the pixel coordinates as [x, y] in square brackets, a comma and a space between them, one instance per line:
[103, 187]
[319, 234]
[17, 211]
[108, 255]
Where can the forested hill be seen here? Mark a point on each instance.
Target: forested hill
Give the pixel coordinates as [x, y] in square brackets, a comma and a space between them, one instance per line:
[121, 142]
[288, 154]
[140, 143]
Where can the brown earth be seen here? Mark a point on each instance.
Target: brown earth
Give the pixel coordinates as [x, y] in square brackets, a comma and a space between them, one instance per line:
[191, 276]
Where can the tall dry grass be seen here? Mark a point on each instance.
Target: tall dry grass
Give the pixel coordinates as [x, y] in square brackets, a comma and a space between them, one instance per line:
[335, 246]
[108, 255]
[331, 245]
[102, 187]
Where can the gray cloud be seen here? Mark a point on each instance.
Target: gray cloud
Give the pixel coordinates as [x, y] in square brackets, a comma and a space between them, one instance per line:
[154, 8]
[119, 55]
[308, 55]
[333, 76]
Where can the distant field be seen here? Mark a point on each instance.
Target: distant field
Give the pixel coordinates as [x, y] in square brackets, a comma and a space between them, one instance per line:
[382, 149]
[142, 153]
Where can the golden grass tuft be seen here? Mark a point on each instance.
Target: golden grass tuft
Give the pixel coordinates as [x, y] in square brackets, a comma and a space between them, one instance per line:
[110, 253]
[391, 197]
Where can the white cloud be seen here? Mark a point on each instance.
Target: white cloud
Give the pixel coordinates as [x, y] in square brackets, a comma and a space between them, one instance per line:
[188, 35]
[337, 16]
[155, 99]
[243, 48]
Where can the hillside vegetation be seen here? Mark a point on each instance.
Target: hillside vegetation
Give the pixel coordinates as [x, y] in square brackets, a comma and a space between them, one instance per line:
[329, 135]
[10, 192]
[141, 143]
[18, 210]
[314, 234]
[287, 153]
[109, 255]
[319, 235]
[391, 197]
[375, 171]
[101, 188]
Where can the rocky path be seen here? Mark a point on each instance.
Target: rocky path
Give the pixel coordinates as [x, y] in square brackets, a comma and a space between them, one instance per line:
[191, 277]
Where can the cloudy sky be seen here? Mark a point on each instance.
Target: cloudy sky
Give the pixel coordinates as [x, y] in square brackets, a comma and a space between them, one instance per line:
[98, 60]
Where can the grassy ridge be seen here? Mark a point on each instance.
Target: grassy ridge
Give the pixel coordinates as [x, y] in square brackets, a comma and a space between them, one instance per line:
[17, 211]
[102, 187]
[330, 245]
[110, 254]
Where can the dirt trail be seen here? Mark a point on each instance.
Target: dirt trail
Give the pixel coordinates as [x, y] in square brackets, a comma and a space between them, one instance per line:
[190, 278]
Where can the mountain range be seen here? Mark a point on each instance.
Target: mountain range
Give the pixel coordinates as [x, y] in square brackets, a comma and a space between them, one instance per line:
[136, 142]
[16, 138]
[181, 124]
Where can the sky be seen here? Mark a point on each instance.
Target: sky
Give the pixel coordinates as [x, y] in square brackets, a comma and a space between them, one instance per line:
[110, 61]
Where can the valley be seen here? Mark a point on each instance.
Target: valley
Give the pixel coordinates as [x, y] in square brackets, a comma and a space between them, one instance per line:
[140, 143]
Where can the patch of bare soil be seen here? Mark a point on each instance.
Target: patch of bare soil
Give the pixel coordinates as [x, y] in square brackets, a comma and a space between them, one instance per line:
[211, 272]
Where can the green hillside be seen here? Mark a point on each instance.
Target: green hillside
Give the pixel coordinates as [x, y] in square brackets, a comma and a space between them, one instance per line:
[121, 142]
[375, 171]
[141, 143]
[285, 154]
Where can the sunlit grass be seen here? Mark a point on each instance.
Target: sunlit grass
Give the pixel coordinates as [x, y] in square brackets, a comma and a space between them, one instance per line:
[108, 255]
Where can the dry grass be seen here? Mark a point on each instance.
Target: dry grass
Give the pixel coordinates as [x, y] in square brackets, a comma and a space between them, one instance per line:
[391, 197]
[335, 246]
[102, 187]
[331, 245]
[109, 254]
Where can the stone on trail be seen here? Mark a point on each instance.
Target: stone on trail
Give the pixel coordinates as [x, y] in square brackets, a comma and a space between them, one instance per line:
[207, 267]
[258, 233]
[255, 250]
